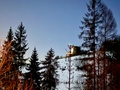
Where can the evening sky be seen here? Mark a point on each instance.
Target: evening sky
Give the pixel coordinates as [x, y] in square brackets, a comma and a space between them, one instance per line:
[49, 23]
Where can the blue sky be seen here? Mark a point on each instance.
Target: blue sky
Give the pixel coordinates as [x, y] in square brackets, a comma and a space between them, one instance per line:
[49, 23]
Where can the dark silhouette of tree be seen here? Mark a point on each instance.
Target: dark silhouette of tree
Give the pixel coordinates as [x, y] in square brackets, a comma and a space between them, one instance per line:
[9, 40]
[98, 26]
[113, 48]
[50, 76]
[88, 34]
[107, 32]
[20, 46]
[33, 69]
[9, 37]
[108, 25]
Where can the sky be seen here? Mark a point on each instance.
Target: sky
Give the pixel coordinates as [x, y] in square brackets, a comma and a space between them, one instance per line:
[49, 23]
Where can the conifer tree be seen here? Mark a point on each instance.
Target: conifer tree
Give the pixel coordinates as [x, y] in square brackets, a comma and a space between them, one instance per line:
[88, 34]
[20, 47]
[33, 69]
[9, 39]
[98, 25]
[10, 36]
[107, 31]
[50, 76]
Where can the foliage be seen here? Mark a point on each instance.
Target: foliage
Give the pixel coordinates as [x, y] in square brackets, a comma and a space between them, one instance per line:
[89, 28]
[98, 26]
[8, 71]
[20, 46]
[33, 70]
[8, 79]
[100, 56]
[50, 76]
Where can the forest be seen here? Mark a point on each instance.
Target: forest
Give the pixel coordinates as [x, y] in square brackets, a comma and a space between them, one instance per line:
[98, 56]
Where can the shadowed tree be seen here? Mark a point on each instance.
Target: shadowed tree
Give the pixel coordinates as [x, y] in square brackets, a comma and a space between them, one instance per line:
[50, 76]
[98, 26]
[88, 34]
[107, 32]
[20, 47]
[113, 55]
[9, 37]
[33, 69]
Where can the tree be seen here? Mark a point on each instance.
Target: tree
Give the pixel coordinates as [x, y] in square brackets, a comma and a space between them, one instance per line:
[33, 69]
[8, 79]
[113, 55]
[50, 76]
[107, 31]
[88, 34]
[10, 36]
[107, 27]
[98, 26]
[7, 62]
[9, 39]
[20, 47]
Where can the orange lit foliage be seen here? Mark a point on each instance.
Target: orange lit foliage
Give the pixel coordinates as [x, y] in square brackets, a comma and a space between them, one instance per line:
[28, 85]
[9, 79]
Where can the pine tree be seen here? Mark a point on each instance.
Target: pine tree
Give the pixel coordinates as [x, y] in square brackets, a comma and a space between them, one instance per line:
[10, 36]
[50, 76]
[9, 39]
[33, 69]
[108, 24]
[20, 46]
[89, 28]
[107, 31]
[98, 25]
